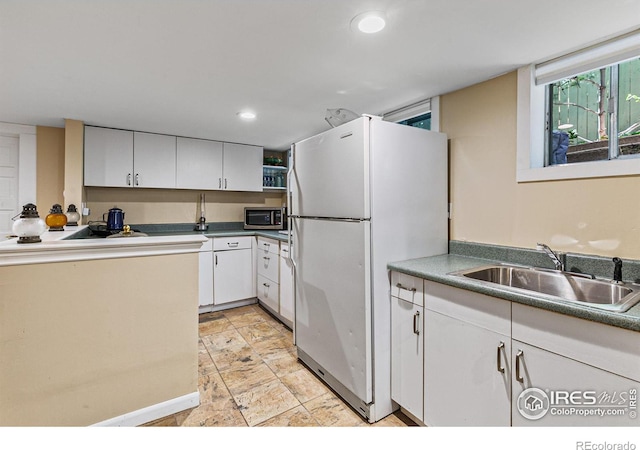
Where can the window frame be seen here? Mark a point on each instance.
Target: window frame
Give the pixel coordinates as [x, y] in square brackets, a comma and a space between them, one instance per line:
[531, 114]
[430, 105]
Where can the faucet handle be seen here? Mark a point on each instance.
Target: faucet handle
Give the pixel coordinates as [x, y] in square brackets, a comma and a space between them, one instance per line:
[617, 270]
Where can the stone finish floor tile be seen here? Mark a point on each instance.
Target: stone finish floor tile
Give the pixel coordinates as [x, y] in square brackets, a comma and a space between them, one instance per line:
[249, 375]
[304, 385]
[265, 401]
[296, 417]
[330, 411]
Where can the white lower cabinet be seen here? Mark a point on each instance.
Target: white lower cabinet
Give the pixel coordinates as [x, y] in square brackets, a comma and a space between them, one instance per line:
[268, 268]
[573, 372]
[286, 285]
[571, 391]
[491, 362]
[466, 358]
[233, 276]
[407, 343]
[205, 272]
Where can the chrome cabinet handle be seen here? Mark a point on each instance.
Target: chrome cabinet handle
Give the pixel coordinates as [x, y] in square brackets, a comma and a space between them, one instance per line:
[225, 183]
[519, 356]
[416, 327]
[219, 183]
[400, 286]
[499, 357]
[266, 284]
[128, 179]
[266, 257]
[216, 258]
[232, 244]
[137, 179]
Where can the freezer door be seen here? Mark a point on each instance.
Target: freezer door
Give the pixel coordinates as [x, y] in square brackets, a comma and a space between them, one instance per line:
[333, 299]
[331, 173]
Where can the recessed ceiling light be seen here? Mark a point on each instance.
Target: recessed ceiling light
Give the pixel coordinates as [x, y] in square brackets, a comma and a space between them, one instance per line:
[247, 115]
[369, 22]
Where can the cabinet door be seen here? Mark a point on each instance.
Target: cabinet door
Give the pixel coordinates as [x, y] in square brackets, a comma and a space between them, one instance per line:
[198, 164]
[242, 167]
[407, 356]
[205, 273]
[286, 285]
[571, 387]
[108, 157]
[232, 276]
[467, 374]
[154, 160]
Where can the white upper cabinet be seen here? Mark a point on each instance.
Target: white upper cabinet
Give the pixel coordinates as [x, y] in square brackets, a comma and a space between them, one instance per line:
[154, 160]
[199, 164]
[242, 167]
[122, 158]
[108, 157]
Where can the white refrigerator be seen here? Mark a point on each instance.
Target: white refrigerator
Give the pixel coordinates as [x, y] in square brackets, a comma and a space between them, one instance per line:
[361, 195]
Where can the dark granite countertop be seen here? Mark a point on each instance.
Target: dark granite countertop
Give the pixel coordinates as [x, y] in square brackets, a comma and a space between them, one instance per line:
[216, 229]
[438, 268]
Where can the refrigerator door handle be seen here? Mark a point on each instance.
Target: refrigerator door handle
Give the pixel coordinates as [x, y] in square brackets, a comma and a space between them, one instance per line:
[289, 203]
[332, 219]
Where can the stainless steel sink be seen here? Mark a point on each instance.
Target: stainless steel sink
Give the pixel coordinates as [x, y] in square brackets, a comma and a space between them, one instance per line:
[571, 287]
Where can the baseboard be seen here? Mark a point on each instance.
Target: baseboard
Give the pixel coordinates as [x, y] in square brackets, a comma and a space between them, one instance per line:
[153, 412]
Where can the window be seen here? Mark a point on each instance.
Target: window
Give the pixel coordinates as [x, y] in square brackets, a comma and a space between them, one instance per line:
[423, 114]
[579, 115]
[582, 111]
[421, 121]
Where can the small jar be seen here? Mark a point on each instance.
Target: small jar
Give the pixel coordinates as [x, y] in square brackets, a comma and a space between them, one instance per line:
[56, 220]
[29, 227]
[72, 216]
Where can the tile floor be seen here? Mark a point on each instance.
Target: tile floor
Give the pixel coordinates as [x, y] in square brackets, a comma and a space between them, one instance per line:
[249, 375]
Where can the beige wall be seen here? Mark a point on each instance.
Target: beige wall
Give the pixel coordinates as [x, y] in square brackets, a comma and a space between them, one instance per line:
[594, 216]
[175, 206]
[49, 168]
[74, 164]
[86, 341]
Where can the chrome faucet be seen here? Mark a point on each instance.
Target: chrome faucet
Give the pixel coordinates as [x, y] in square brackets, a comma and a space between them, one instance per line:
[551, 254]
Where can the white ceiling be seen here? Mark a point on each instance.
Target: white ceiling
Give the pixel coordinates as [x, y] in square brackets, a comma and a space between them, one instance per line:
[187, 67]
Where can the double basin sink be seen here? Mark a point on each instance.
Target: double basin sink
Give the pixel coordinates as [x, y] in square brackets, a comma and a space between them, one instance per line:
[567, 286]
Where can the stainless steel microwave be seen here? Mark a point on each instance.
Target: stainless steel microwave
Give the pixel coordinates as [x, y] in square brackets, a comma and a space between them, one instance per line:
[265, 218]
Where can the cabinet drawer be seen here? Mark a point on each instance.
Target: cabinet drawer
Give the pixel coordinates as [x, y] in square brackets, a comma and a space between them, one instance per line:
[266, 245]
[408, 288]
[268, 266]
[232, 243]
[468, 306]
[269, 293]
[609, 348]
[284, 249]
